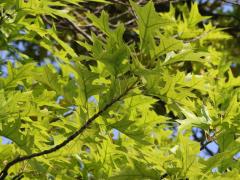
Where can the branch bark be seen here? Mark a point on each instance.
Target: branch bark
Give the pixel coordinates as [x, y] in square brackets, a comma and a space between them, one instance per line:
[4, 172]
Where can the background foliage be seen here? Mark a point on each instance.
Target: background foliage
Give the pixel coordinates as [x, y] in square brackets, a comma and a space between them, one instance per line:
[119, 89]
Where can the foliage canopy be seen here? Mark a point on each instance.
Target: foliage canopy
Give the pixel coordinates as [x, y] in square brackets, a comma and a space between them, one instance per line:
[115, 107]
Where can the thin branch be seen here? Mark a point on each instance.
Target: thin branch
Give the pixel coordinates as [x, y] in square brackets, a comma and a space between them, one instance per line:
[164, 176]
[218, 15]
[128, 11]
[19, 159]
[120, 2]
[231, 2]
[18, 176]
[99, 9]
[170, 1]
[58, 118]
[197, 37]
[203, 146]
[81, 31]
[209, 151]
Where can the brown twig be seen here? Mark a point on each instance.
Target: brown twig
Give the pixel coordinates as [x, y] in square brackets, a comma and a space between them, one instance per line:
[81, 31]
[77, 28]
[120, 2]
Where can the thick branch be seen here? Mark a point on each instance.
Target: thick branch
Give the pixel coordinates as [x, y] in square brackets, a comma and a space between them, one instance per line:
[4, 172]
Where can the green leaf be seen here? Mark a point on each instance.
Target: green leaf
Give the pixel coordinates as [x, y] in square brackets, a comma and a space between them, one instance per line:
[149, 22]
[168, 44]
[192, 121]
[187, 56]
[50, 80]
[16, 75]
[195, 17]
[102, 22]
